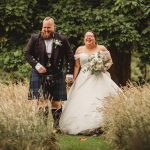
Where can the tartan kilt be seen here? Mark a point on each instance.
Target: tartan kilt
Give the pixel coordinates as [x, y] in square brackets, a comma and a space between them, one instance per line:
[38, 89]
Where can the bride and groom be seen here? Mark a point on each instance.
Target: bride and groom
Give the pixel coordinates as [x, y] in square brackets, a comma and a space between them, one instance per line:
[45, 52]
[92, 83]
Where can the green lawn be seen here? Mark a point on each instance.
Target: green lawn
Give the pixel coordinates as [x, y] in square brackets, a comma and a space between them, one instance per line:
[68, 142]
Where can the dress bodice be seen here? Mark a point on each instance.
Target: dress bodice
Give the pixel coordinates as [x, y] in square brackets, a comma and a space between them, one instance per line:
[83, 59]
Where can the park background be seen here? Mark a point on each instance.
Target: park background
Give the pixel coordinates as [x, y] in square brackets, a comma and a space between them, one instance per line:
[123, 26]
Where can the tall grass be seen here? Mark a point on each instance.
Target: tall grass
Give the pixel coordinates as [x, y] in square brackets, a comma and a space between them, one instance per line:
[21, 128]
[127, 118]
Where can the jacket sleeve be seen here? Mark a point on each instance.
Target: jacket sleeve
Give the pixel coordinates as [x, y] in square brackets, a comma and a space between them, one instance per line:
[69, 55]
[29, 52]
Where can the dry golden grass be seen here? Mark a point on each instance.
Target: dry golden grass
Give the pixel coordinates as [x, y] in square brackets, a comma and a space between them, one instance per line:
[127, 118]
[20, 125]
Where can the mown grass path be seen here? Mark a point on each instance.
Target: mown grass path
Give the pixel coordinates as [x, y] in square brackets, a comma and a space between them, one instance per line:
[68, 142]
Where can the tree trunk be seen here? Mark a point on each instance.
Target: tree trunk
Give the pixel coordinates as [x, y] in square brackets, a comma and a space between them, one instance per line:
[121, 68]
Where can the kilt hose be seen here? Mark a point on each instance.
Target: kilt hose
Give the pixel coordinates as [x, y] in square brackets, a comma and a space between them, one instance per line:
[39, 88]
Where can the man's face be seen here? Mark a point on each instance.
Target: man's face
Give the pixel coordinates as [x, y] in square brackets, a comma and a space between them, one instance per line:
[48, 28]
[89, 38]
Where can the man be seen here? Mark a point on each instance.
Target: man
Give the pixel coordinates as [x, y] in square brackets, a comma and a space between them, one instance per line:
[46, 53]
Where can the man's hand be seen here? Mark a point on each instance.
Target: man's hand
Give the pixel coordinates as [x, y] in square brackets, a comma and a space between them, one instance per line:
[42, 69]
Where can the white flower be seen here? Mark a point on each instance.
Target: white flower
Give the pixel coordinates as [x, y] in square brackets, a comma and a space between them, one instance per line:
[96, 63]
[57, 42]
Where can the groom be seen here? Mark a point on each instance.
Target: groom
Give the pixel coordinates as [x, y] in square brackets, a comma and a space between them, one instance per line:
[46, 52]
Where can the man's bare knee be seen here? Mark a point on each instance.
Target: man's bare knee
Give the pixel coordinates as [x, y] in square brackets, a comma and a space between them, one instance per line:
[56, 104]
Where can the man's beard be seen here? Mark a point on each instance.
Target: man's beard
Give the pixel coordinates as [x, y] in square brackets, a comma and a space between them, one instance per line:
[46, 35]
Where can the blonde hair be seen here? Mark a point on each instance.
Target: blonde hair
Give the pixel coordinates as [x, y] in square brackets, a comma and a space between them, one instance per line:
[49, 18]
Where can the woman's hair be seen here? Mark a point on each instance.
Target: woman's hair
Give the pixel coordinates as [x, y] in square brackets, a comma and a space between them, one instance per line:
[94, 33]
[91, 32]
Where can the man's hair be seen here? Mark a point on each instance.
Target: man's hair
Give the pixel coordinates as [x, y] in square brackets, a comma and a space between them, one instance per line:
[49, 18]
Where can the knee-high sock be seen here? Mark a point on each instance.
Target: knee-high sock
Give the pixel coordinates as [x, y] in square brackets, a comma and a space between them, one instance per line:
[56, 113]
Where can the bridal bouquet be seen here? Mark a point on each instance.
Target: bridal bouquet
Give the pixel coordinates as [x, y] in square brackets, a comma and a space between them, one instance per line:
[96, 63]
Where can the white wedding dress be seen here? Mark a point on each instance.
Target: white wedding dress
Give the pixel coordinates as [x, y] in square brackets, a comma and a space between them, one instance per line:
[82, 110]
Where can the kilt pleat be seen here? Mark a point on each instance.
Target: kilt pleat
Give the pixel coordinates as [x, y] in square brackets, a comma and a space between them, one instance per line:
[38, 89]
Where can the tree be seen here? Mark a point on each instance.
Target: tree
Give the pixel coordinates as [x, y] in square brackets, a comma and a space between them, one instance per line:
[118, 25]
[16, 24]
[121, 25]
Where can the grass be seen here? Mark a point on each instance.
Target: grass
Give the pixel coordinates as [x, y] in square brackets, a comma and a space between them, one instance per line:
[127, 123]
[127, 119]
[70, 142]
[21, 128]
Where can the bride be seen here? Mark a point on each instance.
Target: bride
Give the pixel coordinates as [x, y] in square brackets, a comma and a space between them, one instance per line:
[85, 98]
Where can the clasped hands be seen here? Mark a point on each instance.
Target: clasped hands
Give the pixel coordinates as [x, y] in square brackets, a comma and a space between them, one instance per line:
[69, 79]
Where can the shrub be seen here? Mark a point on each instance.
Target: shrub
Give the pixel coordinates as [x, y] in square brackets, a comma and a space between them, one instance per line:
[13, 66]
[127, 119]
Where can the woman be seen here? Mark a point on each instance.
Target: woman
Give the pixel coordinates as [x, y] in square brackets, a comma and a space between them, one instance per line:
[82, 111]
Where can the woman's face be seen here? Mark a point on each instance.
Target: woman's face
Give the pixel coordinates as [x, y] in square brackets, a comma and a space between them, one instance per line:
[89, 38]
